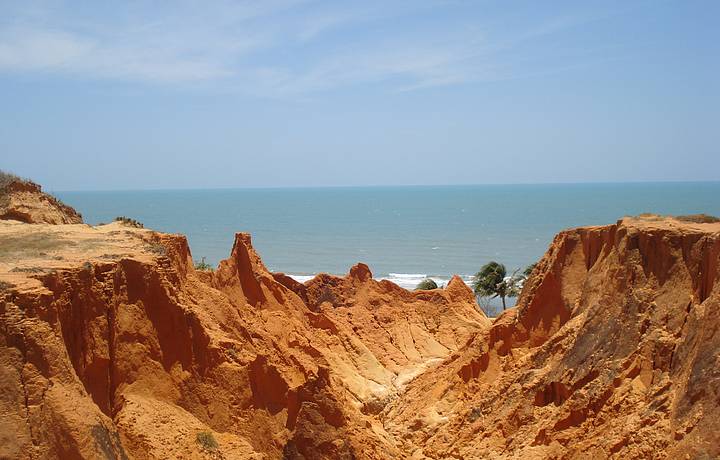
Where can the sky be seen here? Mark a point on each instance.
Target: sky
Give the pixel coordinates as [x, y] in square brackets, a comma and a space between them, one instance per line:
[293, 93]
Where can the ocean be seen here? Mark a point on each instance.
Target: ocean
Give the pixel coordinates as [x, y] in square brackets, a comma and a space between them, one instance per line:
[403, 233]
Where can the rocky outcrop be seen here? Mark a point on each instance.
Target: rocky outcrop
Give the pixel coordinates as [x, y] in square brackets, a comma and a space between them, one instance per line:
[25, 201]
[118, 348]
[612, 351]
[112, 345]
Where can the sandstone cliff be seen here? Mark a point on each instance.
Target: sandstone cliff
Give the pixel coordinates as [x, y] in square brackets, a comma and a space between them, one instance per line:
[25, 201]
[113, 346]
[613, 351]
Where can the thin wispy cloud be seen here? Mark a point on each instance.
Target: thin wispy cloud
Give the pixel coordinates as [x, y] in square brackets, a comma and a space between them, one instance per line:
[408, 66]
[270, 48]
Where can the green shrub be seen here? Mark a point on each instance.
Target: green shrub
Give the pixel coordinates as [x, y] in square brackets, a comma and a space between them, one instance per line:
[204, 266]
[206, 440]
[129, 221]
[426, 285]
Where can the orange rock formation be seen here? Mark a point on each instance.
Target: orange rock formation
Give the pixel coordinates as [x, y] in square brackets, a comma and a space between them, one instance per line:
[113, 346]
[25, 201]
[612, 352]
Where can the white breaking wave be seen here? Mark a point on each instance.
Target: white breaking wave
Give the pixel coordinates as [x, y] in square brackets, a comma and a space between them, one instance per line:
[404, 280]
[411, 280]
[302, 278]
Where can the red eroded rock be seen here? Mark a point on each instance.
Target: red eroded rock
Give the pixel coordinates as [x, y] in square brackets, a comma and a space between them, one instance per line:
[121, 349]
[611, 352]
[25, 201]
[116, 347]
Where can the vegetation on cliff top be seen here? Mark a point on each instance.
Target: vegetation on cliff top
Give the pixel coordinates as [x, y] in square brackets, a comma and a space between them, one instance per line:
[426, 285]
[7, 178]
[206, 440]
[128, 221]
[26, 185]
[699, 218]
[693, 218]
[203, 266]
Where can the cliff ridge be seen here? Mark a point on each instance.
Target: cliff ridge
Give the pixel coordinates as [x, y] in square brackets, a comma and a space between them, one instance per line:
[112, 345]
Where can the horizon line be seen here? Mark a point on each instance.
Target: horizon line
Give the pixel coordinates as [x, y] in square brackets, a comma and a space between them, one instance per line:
[378, 186]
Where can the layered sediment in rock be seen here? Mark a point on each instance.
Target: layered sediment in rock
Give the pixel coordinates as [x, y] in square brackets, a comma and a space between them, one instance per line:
[113, 346]
[613, 351]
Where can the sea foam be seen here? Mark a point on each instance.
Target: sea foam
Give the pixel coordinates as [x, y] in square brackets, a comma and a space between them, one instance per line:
[404, 280]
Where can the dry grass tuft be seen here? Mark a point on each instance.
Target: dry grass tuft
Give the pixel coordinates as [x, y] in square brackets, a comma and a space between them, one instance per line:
[130, 222]
[206, 440]
[699, 218]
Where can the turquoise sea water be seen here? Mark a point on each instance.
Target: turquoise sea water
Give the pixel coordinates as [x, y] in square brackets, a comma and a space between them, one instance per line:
[403, 233]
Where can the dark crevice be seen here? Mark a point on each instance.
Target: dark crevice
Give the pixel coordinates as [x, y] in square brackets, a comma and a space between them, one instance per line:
[26, 397]
[110, 315]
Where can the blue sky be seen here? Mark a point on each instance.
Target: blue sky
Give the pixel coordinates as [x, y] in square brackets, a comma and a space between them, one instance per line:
[134, 95]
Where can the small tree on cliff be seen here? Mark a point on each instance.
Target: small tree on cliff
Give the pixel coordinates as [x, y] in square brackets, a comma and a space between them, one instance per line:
[492, 281]
[204, 266]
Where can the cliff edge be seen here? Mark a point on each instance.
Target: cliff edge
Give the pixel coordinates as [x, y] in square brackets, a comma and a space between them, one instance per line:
[612, 352]
[112, 345]
[24, 201]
